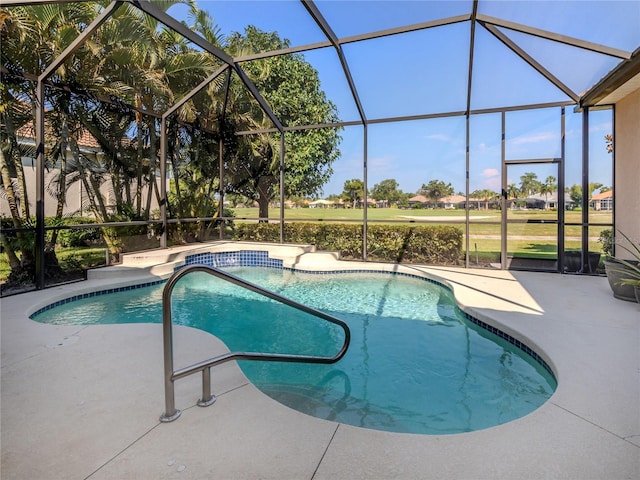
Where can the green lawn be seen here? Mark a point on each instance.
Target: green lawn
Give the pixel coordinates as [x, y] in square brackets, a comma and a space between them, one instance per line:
[524, 239]
[70, 259]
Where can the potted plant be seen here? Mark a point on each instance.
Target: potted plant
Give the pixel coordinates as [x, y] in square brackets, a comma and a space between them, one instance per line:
[623, 274]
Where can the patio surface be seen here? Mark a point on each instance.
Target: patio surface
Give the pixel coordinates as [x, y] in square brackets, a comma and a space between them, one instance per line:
[84, 401]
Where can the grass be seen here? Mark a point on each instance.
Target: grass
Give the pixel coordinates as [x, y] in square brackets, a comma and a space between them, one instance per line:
[534, 240]
[69, 259]
[484, 229]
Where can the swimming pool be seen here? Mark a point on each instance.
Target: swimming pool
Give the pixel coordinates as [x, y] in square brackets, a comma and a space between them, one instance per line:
[416, 363]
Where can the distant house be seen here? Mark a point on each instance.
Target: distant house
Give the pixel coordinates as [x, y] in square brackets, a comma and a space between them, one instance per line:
[548, 202]
[602, 201]
[451, 202]
[76, 197]
[321, 204]
[419, 200]
[370, 203]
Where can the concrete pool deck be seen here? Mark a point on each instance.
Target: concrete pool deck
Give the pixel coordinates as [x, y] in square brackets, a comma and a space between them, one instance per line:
[83, 402]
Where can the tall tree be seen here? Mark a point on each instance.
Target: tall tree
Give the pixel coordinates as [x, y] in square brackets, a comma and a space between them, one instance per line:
[353, 191]
[548, 187]
[387, 190]
[529, 184]
[31, 38]
[291, 87]
[435, 190]
[513, 191]
[484, 196]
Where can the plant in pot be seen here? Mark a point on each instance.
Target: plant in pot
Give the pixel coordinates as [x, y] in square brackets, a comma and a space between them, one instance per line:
[623, 274]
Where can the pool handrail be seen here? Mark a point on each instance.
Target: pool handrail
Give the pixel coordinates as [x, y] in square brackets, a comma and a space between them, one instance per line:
[170, 375]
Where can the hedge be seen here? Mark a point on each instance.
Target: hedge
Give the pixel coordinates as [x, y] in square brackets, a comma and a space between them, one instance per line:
[427, 244]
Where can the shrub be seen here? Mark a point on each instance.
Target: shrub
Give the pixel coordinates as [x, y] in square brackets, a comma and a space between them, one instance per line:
[440, 245]
[77, 237]
[606, 240]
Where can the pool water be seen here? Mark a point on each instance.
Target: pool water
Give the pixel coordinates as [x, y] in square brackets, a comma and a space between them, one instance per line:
[415, 363]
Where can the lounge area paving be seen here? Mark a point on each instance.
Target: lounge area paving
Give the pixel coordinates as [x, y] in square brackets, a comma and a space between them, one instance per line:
[83, 402]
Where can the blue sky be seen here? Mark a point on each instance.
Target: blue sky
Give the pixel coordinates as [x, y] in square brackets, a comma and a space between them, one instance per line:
[426, 72]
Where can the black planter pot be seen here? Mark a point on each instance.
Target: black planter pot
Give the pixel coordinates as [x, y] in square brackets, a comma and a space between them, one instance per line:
[573, 261]
[636, 289]
[623, 292]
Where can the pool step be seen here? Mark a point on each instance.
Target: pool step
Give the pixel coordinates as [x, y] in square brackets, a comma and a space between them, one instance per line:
[162, 262]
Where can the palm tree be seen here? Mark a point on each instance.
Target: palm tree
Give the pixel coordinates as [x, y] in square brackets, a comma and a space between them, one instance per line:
[31, 38]
[147, 67]
[529, 184]
[485, 195]
[513, 191]
[548, 187]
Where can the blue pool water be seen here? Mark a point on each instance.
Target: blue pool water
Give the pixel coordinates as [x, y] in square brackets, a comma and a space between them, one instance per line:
[416, 363]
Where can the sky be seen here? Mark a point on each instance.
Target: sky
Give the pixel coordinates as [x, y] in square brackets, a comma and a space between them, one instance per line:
[426, 72]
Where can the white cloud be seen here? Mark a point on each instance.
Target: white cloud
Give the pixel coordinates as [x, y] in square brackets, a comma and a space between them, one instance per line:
[600, 127]
[439, 136]
[490, 172]
[492, 183]
[535, 138]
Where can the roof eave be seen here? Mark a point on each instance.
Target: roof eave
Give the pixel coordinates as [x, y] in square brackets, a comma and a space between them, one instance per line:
[616, 78]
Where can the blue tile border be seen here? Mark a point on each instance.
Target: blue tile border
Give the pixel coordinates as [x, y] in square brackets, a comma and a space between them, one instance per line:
[242, 258]
[259, 258]
[94, 294]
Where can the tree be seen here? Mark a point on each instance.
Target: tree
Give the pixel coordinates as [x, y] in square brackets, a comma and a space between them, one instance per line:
[291, 86]
[485, 195]
[31, 37]
[548, 187]
[608, 138]
[387, 190]
[353, 191]
[130, 58]
[575, 192]
[513, 191]
[529, 184]
[435, 190]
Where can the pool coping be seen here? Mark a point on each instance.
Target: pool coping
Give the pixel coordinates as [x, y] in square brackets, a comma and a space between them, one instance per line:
[588, 429]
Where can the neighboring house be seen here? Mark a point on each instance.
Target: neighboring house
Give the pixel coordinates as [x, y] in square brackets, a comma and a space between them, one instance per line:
[321, 204]
[370, 203]
[420, 200]
[548, 202]
[77, 200]
[602, 201]
[452, 202]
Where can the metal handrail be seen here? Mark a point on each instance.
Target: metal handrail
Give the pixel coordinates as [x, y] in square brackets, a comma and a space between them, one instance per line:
[170, 376]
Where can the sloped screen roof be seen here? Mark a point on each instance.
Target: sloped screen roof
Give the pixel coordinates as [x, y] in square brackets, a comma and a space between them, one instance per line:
[412, 58]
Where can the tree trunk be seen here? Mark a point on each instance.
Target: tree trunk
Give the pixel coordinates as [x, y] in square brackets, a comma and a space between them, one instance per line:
[140, 152]
[9, 191]
[26, 252]
[62, 177]
[264, 187]
[17, 166]
[14, 261]
[152, 168]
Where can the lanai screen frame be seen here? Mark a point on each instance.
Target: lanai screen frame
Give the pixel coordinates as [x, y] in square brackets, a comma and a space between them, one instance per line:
[234, 65]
